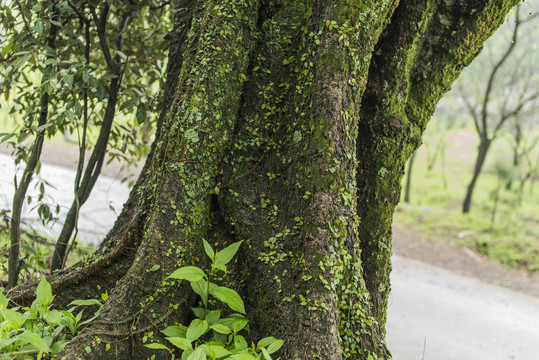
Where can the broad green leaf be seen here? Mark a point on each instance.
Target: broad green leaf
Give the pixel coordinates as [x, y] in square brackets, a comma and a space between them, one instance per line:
[266, 354]
[44, 292]
[38, 27]
[6, 50]
[108, 77]
[58, 346]
[155, 267]
[43, 127]
[229, 297]
[35, 341]
[240, 324]
[6, 136]
[224, 256]
[180, 342]
[86, 302]
[234, 322]
[243, 356]
[4, 301]
[185, 354]
[135, 70]
[221, 329]
[21, 61]
[14, 318]
[157, 346]
[175, 331]
[189, 273]
[49, 50]
[274, 346]
[265, 342]
[221, 267]
[217, 349]
[69, 322]
[198, 354]
[53, 317]
[130, 103]
[141, 113]
[68, 79]
[213, 316]
[208, 249]
[201, 288]
[200, 313]
[6, 342]
[196, 329]
[240, 343]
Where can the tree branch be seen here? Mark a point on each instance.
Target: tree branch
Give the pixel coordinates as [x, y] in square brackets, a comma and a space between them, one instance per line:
[497, 67]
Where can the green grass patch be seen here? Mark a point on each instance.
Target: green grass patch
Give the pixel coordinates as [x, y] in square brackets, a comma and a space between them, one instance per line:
[510, 236]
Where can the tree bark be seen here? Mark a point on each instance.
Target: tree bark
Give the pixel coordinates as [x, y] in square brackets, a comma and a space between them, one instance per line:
[289, 128]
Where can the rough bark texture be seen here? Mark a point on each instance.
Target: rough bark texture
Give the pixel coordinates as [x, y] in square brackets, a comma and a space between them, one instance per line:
[289, 128]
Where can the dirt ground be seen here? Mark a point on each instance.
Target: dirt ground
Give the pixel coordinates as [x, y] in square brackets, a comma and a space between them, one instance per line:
[406, 242]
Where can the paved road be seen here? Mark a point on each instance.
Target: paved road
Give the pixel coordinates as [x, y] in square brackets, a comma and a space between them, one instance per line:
[452, 317]
[460, 318]
[97, 214]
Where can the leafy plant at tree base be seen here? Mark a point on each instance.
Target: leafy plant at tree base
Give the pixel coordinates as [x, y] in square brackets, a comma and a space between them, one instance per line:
[39, 330]
[210, 336]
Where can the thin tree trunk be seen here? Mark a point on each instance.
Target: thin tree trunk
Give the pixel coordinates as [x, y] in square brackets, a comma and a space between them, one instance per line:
[516, 154]
[482, 151]
[409, 178]
[93, 169]
[20, 192]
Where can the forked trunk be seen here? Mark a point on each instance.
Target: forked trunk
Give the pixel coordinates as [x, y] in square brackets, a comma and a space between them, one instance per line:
[289, 129]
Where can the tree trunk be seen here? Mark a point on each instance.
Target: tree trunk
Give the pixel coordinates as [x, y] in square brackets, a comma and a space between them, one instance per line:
[516, 150]
[482, 151]
[409, 178]
[289, 129]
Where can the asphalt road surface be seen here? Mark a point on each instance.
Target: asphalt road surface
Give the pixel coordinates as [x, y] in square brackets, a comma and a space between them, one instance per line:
[446, 316]
[434, 314]
[96, 216]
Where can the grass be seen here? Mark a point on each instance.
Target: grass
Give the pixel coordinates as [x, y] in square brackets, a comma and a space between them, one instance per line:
[435, 211]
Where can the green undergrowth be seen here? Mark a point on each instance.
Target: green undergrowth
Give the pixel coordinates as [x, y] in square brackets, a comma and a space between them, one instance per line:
[40, 331]
[215, 333]
[510, 236]
[36, 253]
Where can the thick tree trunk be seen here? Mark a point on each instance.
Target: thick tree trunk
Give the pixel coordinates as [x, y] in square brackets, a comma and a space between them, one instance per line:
[482, 151]
[265, 141]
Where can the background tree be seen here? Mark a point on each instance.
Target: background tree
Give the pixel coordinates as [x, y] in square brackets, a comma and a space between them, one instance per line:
[505, 90]
[523, 138]
[288, 126]
[65, 67]
[434, 143]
